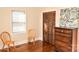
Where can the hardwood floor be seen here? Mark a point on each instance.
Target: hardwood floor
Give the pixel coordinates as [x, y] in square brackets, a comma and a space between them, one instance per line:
[39, 46]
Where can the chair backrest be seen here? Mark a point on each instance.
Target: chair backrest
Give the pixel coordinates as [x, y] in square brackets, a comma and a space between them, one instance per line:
[5, 36]
[31, 33]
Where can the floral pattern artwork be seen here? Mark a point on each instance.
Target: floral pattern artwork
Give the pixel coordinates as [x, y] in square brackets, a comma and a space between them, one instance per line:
[69, 17]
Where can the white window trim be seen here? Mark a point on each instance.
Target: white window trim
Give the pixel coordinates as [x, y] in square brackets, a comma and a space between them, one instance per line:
[18, 22]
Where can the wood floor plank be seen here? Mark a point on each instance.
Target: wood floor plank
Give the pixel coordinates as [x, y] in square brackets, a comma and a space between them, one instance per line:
[39, 46]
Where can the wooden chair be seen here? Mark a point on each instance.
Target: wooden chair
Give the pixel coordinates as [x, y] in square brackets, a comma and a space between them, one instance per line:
[31, 35]
[6, 39]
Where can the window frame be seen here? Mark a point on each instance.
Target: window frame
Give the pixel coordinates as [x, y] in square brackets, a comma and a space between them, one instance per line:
[20, 32]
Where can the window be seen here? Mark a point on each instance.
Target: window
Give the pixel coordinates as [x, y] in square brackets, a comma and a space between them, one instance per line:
[18, 22]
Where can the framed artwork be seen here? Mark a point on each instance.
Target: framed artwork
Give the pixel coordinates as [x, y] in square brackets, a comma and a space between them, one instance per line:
[69, 17]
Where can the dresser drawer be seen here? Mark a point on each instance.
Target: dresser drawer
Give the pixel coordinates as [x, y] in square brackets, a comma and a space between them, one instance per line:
[63, 30]
[62, 49]
[63, 39]
[59, 43]
[62, 34]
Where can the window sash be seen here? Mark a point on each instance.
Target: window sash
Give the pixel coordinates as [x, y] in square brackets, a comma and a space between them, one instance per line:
[19, 22]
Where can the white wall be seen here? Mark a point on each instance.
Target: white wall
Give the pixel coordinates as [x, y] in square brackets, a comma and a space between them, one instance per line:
[34, 21]
[6, 24]
[32, 18]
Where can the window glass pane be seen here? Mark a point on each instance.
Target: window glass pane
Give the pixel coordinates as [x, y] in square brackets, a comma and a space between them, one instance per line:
[19, 29]
[19, 17]
[19, 22]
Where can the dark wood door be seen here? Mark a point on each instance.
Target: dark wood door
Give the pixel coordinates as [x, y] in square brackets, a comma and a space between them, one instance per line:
[48, 26]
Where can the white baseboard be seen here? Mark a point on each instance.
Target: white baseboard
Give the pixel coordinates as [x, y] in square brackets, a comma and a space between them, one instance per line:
[21, 42]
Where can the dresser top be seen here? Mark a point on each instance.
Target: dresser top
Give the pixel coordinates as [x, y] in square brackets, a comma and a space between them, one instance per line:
[65, 28]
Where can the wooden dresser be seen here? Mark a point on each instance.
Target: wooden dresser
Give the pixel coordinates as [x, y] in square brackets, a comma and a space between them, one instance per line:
[65, 39]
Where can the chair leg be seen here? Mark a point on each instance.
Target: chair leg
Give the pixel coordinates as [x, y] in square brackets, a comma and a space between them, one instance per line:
[34, 40]
[8, 50]
[14, 48]
[29, 40]
[3, 47]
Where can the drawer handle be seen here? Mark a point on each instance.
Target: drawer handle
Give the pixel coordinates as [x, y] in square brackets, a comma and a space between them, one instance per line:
[61, 30]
